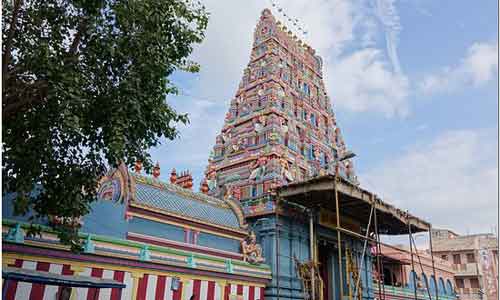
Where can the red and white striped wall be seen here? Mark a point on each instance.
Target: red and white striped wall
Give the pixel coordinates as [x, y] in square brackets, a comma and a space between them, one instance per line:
[34, 291]
[150, 287]
[25, 290]
[245, 292]
[153, 287]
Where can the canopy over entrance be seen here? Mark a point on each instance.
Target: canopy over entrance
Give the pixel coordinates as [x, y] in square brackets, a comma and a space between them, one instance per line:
[354, 202]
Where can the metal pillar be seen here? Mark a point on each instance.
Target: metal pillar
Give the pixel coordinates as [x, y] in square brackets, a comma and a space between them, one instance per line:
[377, 244]
[356, 288]
[311, 254]
[339, 241]
[412, 263]
[277, 235]
[432, 259]
[421, 267]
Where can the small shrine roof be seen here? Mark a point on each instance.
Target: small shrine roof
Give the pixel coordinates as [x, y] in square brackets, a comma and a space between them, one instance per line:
[184, 202]
[122, 185]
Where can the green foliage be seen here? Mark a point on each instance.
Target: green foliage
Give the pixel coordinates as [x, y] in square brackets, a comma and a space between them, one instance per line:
[84, 88]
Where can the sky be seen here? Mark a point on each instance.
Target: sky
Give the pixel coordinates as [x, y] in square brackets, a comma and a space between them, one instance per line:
[414, 88]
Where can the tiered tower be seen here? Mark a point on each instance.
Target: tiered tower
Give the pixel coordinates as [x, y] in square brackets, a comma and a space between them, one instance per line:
[280, 127]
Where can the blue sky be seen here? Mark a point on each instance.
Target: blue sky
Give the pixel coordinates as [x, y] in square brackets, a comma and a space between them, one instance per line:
[413, 84]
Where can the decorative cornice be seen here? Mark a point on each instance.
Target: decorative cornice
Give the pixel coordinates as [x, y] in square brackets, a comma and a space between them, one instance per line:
[98, 259]
[131, 236]
[136, 246]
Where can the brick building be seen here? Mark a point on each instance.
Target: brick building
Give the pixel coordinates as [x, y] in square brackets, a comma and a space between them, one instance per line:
[474, 259]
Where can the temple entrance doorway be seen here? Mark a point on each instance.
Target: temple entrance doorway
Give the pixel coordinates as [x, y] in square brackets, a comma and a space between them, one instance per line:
[324, 260]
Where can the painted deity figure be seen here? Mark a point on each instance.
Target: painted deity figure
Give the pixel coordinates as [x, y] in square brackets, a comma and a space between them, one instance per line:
[239, 145]
[212, 179]
[226, 137]
[260, 124]
[259, 168]
[252, 252]
[285, 171]
[284, 127]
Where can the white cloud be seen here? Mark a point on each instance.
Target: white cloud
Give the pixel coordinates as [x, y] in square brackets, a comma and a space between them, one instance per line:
[366, 84]
[478, 67]
[451, 180]
[388, 14]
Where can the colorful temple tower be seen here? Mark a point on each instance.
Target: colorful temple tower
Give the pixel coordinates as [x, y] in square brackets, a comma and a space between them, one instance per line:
[280, 127]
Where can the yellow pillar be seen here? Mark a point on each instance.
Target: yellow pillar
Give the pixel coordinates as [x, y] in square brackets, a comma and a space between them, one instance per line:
[6, 261]
[136, 276]
[222, 285]
[77, 270]
[186, 281]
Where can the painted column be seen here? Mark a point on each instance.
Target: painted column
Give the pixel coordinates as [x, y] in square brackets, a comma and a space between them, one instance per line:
[136, 276]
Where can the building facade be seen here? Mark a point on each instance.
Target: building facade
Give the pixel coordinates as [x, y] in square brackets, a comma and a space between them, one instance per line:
[474, 259]
[406, 274]
[160, 240]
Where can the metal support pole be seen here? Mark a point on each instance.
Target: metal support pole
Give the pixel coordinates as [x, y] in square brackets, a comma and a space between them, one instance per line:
[412, 263]
[356, 288]
[311, 249]
[432, 259]
[378, 255]
[421, 267]
[339, 240]
[277, 235]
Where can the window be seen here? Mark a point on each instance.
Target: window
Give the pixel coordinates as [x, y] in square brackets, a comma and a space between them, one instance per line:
[460, 283]
[456, 259]
[305, 89]
[474, 283]
[445, 257]
[471, 258]
[313, 119]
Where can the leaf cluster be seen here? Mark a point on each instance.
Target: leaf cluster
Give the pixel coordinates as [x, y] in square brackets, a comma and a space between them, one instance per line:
[84, 85]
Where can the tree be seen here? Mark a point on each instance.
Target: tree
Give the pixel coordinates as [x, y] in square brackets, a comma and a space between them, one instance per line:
[84, 87]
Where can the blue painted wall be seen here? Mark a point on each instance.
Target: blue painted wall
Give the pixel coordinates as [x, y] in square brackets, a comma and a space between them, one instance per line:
[152, 228]
[107, 218]
[218, 242]
[294, 241]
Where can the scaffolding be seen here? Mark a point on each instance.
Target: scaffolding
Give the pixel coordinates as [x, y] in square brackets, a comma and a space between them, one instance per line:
[352, 201]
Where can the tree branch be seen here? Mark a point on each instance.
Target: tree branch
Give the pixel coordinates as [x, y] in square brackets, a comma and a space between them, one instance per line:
[12, 104]
[78, 37]
[10, 37]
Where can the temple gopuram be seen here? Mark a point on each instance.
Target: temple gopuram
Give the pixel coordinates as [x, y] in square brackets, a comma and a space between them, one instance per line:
[280, 127]
[144, 239]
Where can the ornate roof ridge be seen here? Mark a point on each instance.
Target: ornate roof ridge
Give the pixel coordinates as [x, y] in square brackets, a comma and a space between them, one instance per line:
[180, 190]
[229, 204]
